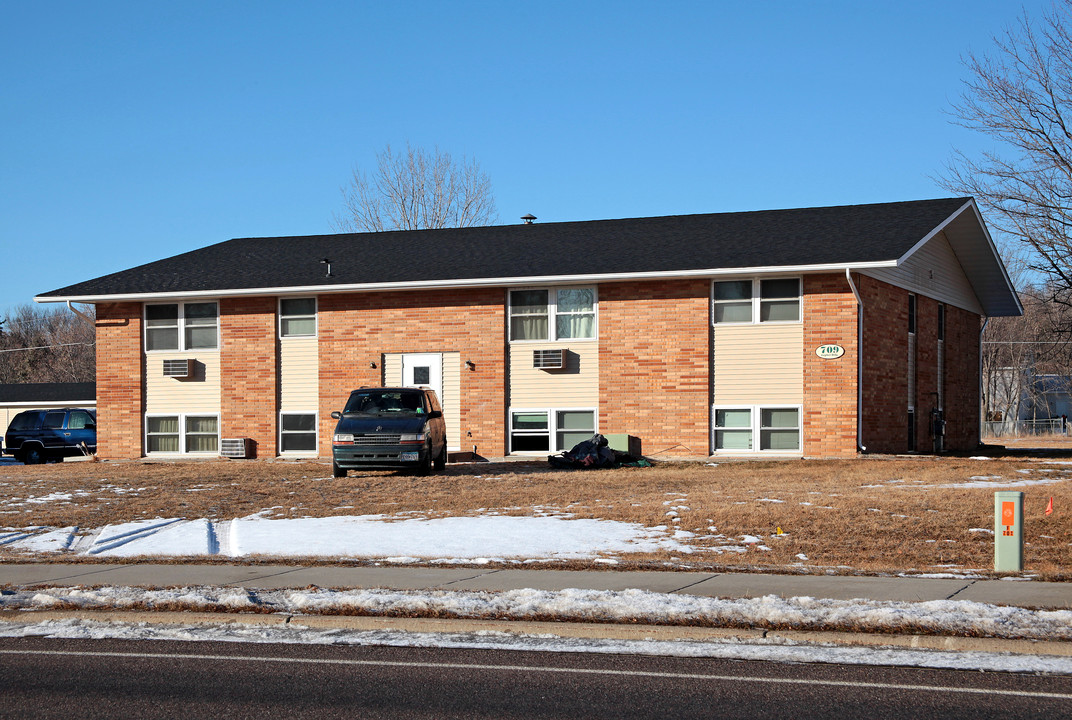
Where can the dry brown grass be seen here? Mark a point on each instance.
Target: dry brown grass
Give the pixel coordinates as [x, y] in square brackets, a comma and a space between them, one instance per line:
[881, 514]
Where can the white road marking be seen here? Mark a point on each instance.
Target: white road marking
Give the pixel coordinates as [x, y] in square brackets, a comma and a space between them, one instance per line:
[541, 669]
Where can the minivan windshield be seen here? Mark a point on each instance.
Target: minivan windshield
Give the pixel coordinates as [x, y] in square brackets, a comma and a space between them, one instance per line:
[379, 402]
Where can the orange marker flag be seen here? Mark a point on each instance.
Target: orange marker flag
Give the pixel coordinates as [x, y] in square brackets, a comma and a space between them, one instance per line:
[1049, 506]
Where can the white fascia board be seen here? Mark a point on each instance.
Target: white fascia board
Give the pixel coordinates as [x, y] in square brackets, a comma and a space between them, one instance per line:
[470, 283]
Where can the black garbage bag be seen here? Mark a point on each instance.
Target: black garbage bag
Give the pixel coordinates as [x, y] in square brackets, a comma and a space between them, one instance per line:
[592, 453]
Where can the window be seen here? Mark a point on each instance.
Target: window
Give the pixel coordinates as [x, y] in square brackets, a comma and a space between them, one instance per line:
[756, 301]
[553, 314]
[195, 324]
[297, 317]
[182, 434]
[53, 420]
[533, 430]
[79, 420]
[202, 434]
[733, 429]
[297, 432]
[162, 434]
[778, 428]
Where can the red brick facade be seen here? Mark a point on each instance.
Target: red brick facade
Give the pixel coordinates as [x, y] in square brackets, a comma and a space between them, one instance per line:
[248, 368]
[120, 390]
[829, 311]
[356, 331]
[655, 371]
[654, 364]
[886, 371]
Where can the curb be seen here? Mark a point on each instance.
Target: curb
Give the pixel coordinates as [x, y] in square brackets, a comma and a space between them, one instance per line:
[570, 630]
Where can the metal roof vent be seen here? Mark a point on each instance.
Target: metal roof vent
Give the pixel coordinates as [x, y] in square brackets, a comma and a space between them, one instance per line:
[528, 218]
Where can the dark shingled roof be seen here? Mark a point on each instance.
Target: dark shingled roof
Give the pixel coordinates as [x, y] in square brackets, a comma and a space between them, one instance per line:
[74, 393]
[851, 234]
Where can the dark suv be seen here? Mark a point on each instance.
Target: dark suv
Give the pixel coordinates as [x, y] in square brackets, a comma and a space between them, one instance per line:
[36, 436]
[389, 428]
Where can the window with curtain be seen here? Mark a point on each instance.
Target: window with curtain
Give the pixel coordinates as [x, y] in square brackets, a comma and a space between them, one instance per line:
[553, 314]
[575, 313]
[162, 434]
[297, 317]
[202, 434]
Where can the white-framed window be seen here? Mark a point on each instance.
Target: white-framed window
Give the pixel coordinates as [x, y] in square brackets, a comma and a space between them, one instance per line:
[562, 313]
[182, 434]
[297, 317]
[773, 428]
[181, 326]
[550, 429]
[756, 300]
[297, 432]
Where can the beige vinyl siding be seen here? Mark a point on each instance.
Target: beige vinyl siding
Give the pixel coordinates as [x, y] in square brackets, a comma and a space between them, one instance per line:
[758, 364]
[168, 395]
[298, 374]
[451, 399]
[934, 271]
[577, 385]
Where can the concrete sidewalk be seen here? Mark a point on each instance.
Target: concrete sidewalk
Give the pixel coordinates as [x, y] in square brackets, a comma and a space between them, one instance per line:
[724, 585]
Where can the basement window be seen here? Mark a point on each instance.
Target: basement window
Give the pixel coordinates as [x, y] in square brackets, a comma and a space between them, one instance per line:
[297, 432]
[736, 428]
[532, 431]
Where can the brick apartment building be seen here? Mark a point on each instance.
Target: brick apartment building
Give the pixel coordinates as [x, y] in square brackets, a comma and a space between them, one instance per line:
[808, 332]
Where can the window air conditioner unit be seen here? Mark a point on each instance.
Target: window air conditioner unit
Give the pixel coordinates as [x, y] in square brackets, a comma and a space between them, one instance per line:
[548, 359]
[178, 368]
[235, 447]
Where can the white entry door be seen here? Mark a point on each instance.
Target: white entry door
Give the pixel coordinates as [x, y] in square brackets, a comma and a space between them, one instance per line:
[423, 369]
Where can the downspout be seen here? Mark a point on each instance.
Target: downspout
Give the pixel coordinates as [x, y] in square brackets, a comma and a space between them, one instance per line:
[80, 314]
[982, 390]
[859, 363]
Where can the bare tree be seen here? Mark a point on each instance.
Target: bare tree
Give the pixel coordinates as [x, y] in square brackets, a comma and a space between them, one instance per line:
[1021, 96]
[46, 345]
[417, 190]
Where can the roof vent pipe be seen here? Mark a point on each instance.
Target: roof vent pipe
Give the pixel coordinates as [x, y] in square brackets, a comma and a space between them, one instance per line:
[327, 261]
[528, 218]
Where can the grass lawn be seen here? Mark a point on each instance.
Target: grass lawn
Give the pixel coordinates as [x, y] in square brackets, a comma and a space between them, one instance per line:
[874, 514]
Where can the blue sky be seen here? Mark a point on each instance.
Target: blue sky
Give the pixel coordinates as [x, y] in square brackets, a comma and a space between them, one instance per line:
[135, 131]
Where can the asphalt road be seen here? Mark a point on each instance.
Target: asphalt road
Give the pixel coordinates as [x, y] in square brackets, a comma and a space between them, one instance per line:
[145, 679]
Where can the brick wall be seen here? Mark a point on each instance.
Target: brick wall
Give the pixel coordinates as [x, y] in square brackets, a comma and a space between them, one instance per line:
[886, 365]
[120, 392]
[829, 311]
[885, 375]
[654, 364]
[961, 379]
[358, 329]
[248, 393]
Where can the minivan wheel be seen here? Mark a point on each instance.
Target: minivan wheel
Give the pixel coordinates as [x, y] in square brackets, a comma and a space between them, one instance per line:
[337, 471]
[426, 463]
[441, 460]
[33, 456]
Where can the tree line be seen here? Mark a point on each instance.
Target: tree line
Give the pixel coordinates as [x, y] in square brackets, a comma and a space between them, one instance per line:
[41, 344]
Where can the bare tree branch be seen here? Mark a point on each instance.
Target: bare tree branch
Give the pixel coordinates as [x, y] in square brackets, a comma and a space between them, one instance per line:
[417, 190]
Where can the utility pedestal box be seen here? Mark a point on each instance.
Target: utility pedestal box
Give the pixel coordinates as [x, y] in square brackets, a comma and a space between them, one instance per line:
[1008, 531]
